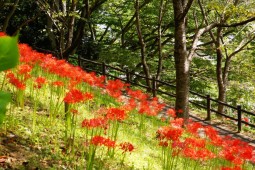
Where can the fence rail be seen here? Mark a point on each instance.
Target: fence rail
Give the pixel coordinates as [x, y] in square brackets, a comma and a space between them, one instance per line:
[127, 76]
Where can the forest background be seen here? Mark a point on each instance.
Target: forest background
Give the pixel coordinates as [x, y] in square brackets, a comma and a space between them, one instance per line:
[200, 45]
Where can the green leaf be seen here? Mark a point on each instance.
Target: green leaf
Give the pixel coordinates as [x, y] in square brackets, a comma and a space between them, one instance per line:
[5, 98]
[9, 53]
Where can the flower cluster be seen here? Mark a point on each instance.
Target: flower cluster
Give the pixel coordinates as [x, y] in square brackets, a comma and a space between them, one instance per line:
[76, 96]
[115, 114]
[99, 140]
[15, 81]
[95, 122]
[126, 147]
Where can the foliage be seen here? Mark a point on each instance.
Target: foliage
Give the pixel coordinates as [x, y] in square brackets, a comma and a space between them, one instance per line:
[9, 57]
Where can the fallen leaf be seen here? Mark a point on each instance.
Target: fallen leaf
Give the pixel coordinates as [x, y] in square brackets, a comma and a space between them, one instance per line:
[3, 159]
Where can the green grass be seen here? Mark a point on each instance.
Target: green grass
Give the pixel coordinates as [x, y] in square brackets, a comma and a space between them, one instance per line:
[48, 136]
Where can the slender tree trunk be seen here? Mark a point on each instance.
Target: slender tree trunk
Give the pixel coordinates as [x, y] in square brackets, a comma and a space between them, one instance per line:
[8, 17]
[221, 83]
[182, 64]
[142, 44]
[159, 70]
[219, 71]
[71, 24]
[51, 35]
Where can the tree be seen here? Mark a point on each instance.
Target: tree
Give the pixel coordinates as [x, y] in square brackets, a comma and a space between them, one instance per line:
[67, 21]
[227, 42]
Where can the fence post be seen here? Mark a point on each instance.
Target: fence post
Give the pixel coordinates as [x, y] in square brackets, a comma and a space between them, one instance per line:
[154, 93]
[103, 68]
[239, 124]
[128, 76]
[208, 107]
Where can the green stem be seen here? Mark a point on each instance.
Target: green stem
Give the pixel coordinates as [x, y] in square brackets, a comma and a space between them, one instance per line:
[2, 86]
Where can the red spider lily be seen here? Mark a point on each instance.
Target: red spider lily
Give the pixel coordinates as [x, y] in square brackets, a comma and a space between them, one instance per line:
[156, 107]
[76, 96]
[109, 143]
[114, 88]
[178, 144]
[126, 147]
[115, 114]
[171, 112]
[236, 151]
[231, 168]
[130, 104]
[195, 142]
[15, 81]
[193, 128]
[74, 111]
[99, 140]
[73, 83]
[137, 94]
[24, 69]
[93, 80]
[169, 133]
[213, 135]
[88, 96]
[228, 155]
[40, 81]
[95, 122]
[2, 34]
[144, 107]
[99, 81]
[163, 143]
[29, 56]
[197, 154]
[178, 122]
[58, 83]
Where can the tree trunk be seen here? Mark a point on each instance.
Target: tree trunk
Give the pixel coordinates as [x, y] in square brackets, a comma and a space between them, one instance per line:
[182, 64]
[8, 17]
[143, 45]
[159, 70]
[219, 71]
[71, 24]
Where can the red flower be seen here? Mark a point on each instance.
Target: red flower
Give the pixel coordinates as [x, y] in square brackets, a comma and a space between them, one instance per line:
[178, 122]
[15, 81]
[97, 140]
[109, 143]
[95, 122]
[194, 127]
[171, 112]
[231, 168]
[2, 34]
[126, 147]
[195, 142]
[88, 96]
[75, 96]
[74, 111]
[114, 88]
[24, 69]
[40, 81]
[163, 143]
[169, 133]
[137, 94]
[58, 83]
[115, 114]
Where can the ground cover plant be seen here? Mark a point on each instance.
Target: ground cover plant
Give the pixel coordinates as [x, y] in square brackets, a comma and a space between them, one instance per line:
[78, 120]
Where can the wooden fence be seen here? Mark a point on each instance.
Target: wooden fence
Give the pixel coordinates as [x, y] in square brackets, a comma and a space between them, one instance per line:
[167, 89]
